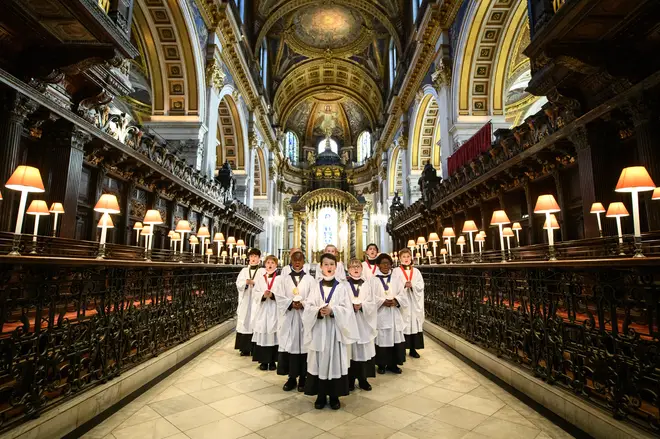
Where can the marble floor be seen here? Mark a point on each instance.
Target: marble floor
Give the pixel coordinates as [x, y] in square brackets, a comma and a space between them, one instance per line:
[222, 395]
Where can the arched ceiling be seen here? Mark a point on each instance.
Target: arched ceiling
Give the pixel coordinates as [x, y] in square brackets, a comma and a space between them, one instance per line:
[330, 52]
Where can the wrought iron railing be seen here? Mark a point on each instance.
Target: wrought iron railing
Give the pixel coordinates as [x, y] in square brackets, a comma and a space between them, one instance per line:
[589, 327]
[68, 325]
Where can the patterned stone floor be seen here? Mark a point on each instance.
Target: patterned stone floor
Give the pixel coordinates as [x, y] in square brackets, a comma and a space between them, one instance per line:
[222, 395]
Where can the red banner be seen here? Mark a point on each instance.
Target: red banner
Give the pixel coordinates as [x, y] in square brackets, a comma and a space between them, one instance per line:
[468, 151]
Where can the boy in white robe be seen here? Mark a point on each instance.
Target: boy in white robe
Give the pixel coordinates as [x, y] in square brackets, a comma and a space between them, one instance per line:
[363, 351]
[391, 301]
[287, 268]
[340, 274]
[410, 280]
[369, 266]
[245, 286]
[265, 319]
[292, 357]
[330, 329]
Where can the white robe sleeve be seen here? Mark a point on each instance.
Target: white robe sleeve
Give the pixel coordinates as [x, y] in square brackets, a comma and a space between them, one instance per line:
[377, 292]
[418, 290]
[369, 309]
[344, 315]
[313, 304]
[240, 284]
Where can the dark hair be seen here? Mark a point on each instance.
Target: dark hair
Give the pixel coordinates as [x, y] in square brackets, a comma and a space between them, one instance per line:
[254, 251]
[294, 254]
[372, 245]
[328, 256]
[382, 256]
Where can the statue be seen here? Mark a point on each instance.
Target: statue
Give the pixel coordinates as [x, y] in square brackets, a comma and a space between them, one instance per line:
[311, 158]
[428, 181]
[344, 157]
[226, 177]
[397, 206]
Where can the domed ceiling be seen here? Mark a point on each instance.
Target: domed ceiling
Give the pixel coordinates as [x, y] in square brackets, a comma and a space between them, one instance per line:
[328, 55]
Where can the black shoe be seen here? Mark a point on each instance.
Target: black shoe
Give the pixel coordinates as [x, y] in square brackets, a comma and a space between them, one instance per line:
[272, 366]
[321, 401]
[289, 385]
[351, 385]
[381, 370]
[263, 366]
[245, 354]
[395, 369]
[414, 354]
[301, 386]
[334, 403]
[364, 385]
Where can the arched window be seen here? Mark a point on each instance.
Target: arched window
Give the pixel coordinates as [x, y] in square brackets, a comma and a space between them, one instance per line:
[291, 146]
[364, 146]
[263, 63]
[393, 62]
[324, 143]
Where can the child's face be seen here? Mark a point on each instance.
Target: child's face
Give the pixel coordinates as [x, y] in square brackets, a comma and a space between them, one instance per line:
[355, 270]
[385, 266]
[297, 261]
[254, 259]
[372, 252]
[405, 258]
[270, 265]
[331, 249]
[328, 267]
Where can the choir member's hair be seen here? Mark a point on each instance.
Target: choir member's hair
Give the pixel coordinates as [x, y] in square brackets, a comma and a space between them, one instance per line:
[330, 245]
[271, 258]
[382, 256]
[328, 256]
[298, 253]
[354, 262]
[294, 250]
[404, 251]
[372, 245]
[254, 251]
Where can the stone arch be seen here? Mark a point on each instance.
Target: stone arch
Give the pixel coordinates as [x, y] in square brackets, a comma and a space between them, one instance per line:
[425, 139]
[260, 178]
[174, 59]
[395, 172]
[231, 139]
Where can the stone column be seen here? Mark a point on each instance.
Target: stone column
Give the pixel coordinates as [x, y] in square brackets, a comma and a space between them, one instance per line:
[561, 216]
[353, 236]
[442, 83]
[296, 229]
[405, 167]
[359, 241]
[531, 217]
[303, 235]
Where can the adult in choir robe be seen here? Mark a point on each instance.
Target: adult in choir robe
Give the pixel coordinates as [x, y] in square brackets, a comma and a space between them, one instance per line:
[265, 316]
[287, 268]
[369, 266]
[245, 285]
[292, 357]
[391, 302]
[330, 329]
[340, 274]
[410, 280]
[363, 351]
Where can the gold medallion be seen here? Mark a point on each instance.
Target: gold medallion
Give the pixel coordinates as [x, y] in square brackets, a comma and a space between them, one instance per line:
[295, 291]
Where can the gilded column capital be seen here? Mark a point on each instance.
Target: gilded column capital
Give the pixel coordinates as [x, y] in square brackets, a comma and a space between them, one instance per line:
[215, 76]
[441, 77]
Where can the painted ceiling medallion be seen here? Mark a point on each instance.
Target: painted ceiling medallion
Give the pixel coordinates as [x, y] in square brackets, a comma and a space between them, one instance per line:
[327, 26]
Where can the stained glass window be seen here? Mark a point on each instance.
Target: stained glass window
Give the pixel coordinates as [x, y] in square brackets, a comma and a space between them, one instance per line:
[291, 146]
[333, 145]
[364, 146]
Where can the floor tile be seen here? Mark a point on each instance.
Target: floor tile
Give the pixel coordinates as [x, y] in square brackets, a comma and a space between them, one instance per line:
[362, 428]
[145, 414]
[249, 385]
[393, 417]
[168, 393]
[155, 429]
[483, 392]
[271, 394]
[479, 405]
[458, 417]
[215, 394]
[358, 405]
[326, 419]
[428, 428]
[463, 384]
[298, 405]
[417, 404]
[383, 394]
[291, 428]
[237, 404]
[224, 429]
[196, 384]
[438, 394]
[261, 417]
[401, 435]
[175, 405]
[509, 414]
[229, 377]
[501, 429]
[192, 418]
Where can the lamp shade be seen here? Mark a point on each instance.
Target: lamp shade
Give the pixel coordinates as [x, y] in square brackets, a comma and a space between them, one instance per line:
[138, 226]
[183, 226]
[203, 232]
[56, 208]
[443, 251]
[499, 217]
[153, 217]
[231, 240]
[108, 221]
[193, 240]
[0, 196]
[429, 253]
[107, 204]
[433, 237]
[176, 236]
[209, 251]
[460, 240]
[546, 204]
[507, 232]
[616, 209]
[171, 233]
[516, 226]
[27, 179]
[411, 243]
[554, 225]
[483, 233]
[219, 237]
[635, 179]
[240, 243]
[655, 196]
[146, 230]
[448, 232]
[421, 241]
[597, 208]
[480, 238]
[469, 226]
[224, 253]
[38, 207]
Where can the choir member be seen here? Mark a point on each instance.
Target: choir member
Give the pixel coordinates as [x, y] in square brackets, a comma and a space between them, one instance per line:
[369, 265]
[330, 329]
[287, 268]
[363, 351]
[292, 358]
[410, 280]
[245, 286]
[265, 321]
[390, 300]
[341, 271]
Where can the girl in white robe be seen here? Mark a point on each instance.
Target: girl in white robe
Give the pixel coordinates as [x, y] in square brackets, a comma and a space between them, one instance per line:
[292, 356]
[245, 285]
[364, 350]
[330, 329]
[265, 317]
[392, 302]
[410, 280]
[369, 266]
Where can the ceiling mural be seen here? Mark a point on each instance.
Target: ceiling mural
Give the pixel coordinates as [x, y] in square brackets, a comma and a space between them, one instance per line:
[327, 26]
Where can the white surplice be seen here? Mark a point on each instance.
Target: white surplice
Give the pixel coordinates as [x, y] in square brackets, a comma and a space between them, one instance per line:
[366, 319]
[291, 332]
[245, 299]
[368, 270]
[391, 323]
[340, 273]
[413, 316]
[265, 317]
[287, 269]
[329, 338]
